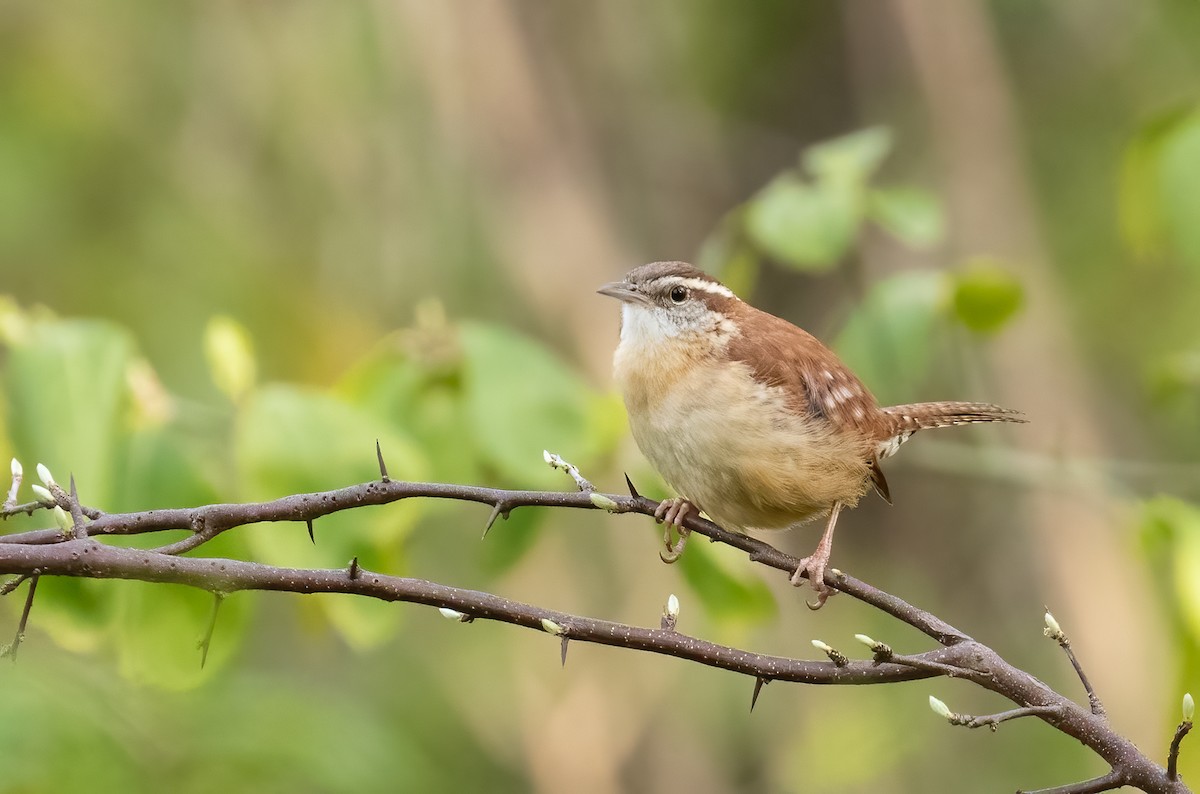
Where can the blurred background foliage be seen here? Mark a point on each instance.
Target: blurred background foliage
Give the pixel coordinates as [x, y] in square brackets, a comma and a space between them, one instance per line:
[240, 242]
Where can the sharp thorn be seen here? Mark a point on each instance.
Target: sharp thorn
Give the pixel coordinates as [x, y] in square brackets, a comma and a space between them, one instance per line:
[206, 642]
[383, 475]
[353, 571]
[632, 491]
[311, 537]
[497, 512]
[74, 493]
[565, 640]
[758, 685]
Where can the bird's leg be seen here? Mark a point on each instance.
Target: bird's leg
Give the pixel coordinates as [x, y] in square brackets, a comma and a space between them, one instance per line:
[672, 512]
[815, 563]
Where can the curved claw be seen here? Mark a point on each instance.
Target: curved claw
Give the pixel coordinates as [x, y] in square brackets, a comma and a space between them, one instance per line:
[672, 513]
[822, 597]
[673, 551]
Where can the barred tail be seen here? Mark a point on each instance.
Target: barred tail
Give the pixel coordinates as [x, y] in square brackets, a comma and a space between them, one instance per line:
[904, 420]
[922, 416]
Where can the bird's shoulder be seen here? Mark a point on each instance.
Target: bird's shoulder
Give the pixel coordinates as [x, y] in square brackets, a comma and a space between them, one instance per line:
[816, 382]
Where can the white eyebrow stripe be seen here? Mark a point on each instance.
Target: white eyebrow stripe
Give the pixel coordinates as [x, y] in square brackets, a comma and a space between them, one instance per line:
[711, 287]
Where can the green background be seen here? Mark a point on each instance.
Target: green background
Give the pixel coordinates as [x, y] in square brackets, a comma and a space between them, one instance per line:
[239, 242]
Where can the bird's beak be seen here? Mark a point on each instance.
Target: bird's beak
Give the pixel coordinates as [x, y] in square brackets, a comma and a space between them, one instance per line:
[624, 292]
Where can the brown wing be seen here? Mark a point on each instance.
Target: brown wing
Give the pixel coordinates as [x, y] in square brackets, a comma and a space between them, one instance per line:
[816, 381]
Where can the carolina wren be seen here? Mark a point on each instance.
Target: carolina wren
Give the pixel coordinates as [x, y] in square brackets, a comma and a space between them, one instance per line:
[748, 417]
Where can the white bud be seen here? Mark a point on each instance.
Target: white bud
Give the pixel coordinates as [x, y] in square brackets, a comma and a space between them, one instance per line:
[672, 606]
[939, 708]
[821, 646]
[451, 614]
[1189, 707]
[44, 496]
[603, 502]
[548, 457]
[17, 470]
[45, 476]
[551, 627]
[63, 519]
[1052, 629]
[865, 640]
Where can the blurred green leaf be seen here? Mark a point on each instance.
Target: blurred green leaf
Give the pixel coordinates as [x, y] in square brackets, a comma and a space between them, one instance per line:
[986, 296]
[158, 628]
[291, 440]
[230, 355]
[65, 388]
[726, 254]
[1170, 530]
[65, 381]
[1157, 194]
[159, 468]
[729, 590]
[808, 226]
[888, 339]
[509, 539]
[850, 158]
[423, 400]
[521, 400]
[912, 215]
[1179, 173]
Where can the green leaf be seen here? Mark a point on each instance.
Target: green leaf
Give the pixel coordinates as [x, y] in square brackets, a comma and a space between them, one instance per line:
[729, 589]
[1170, 531]
[65, 388]
[888, 339]
[521, 400]
[159, 626]
[912, 215]
[65, 382]
[160, 467]
[1141, 211]
[986, 296]
[808, 226]
[850, 158]
[290, 440]
[230, 356]
[1179, 176]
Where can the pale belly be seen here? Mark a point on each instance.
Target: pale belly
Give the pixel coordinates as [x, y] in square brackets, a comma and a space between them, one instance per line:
[733, 448]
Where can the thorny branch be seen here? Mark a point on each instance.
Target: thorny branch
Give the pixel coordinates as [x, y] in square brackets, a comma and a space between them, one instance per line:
[78, 551]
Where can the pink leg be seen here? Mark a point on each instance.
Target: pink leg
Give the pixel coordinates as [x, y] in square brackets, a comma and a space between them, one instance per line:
[814, 564]
[673, 512]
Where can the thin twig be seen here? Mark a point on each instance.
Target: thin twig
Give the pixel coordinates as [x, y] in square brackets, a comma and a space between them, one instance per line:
[1173, 755]
[78, 528]
[12, 649]
[1055, 632]
[992, 720]
[1113, 780]
[556, 462]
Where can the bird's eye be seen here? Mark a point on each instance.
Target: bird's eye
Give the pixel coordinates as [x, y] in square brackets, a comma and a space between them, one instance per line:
[679, 294]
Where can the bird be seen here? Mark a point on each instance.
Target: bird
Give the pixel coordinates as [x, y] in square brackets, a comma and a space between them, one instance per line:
[751, 419]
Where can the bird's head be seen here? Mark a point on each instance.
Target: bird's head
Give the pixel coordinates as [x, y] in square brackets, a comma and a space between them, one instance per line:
[672, 300]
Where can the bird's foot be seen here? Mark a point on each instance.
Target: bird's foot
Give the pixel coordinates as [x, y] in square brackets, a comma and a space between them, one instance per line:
[672, 512]
[814, 565]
